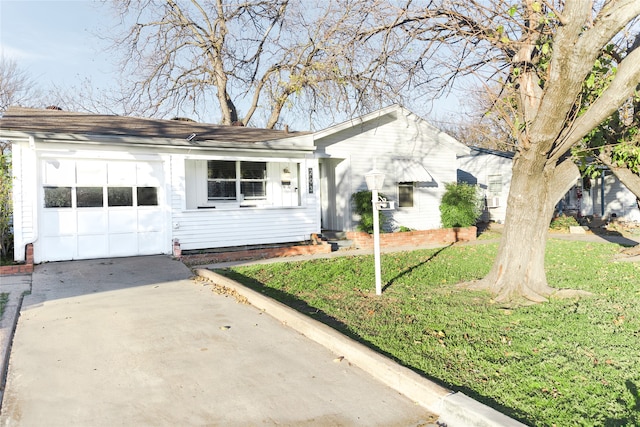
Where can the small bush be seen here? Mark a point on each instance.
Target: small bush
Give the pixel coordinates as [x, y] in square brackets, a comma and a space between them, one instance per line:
[460, 205]
[563, 222]
[362, 206]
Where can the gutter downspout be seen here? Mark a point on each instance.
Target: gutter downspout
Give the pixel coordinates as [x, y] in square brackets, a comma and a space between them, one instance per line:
[602, 195]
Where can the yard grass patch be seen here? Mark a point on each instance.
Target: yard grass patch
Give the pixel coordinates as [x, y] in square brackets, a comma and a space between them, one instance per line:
[565, 362]
[4, 299]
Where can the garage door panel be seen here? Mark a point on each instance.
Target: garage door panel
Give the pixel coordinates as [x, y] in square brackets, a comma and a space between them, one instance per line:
[56, 222]
[95, 246]
[122, 220]
[59, 248]
[91, 173]
[149, 174]
[150, 220]
[150, 243]
[92, 222]
[124, 244]
[59, 172]
[121, 173]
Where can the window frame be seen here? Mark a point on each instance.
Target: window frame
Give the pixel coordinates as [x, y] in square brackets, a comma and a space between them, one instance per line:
[239, 179]
[406, 185]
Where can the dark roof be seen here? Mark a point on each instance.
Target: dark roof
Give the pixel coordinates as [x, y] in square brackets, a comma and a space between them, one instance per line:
[505, 154]
[63, 122]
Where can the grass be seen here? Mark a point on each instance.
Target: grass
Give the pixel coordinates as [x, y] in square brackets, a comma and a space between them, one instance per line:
[563, 363]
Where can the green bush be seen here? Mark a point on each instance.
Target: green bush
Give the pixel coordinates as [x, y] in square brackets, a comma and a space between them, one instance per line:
[460, 205]
[563, 222]
[362, 206]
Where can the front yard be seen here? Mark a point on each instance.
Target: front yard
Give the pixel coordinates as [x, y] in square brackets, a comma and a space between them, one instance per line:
[566, 362]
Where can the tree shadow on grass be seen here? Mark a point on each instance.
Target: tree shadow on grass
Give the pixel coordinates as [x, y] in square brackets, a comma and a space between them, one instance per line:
[410, 269]
[321, 316]
[632, 417]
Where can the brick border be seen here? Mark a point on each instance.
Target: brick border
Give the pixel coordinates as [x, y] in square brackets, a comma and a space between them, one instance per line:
[317, 246]
[26, 268]
[363, 240]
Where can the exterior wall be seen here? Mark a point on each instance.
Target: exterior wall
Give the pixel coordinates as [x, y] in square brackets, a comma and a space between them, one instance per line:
[476, 169]
[381, 142]
[618, 200]
[25, 177]
[234, 225]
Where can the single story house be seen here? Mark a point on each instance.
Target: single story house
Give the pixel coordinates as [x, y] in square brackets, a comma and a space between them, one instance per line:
[491, 171]
[605, 196]
[417, 159]
[93, 186]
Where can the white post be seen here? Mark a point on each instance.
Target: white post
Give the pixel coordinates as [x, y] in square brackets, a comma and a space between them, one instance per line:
[376, 240]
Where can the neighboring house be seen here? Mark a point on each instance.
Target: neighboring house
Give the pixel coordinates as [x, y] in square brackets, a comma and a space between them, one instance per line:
[417, 158]
[92, 186]
[605, 197]
[491, 171]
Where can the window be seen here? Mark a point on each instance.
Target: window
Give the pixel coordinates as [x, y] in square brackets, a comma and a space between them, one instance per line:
[225, 178]
[57, 197]
[120, 196]
[221, 180]
[147, 196]
[405, 194]
[495, 185]
[89, 197]
[253, 180]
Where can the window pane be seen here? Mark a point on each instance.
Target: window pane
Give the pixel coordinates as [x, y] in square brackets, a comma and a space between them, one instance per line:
[147, 196]
[253, 189]
[221, 190]
[120, 196]
[495, 184]
[253, 170]
[221, 169]
[57, 197]
[89, 197]
[405, 194]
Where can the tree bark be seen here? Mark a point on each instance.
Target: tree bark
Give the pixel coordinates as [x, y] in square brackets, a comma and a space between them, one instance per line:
[626, 176]
[518, 273]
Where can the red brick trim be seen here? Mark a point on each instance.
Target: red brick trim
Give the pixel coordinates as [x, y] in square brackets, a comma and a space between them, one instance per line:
[26, 268]
[316, 247]
[413, 238]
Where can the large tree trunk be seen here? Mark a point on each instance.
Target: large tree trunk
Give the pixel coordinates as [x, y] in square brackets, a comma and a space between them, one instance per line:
[518, 272]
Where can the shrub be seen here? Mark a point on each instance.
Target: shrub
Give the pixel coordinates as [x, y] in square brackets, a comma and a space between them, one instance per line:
[460, 205]
[563, 222]
[362, 206]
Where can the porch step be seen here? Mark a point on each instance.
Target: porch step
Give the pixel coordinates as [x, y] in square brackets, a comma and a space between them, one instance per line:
[337, 239]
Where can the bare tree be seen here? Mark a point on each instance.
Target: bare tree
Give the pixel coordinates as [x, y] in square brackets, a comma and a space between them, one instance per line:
[16, 86]
[545, 51]
[240, 58]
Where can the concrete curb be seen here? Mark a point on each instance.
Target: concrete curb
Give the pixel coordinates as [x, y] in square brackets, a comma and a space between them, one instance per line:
[454, 409]
[17, 286]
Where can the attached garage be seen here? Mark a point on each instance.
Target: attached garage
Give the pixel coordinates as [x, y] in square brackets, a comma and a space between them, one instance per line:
[100, 208]
[89, 186]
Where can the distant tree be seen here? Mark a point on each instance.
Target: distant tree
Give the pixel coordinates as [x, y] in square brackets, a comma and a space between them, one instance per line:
[16, 86]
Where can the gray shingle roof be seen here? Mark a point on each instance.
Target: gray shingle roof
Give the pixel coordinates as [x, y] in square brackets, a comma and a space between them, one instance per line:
[52, 122]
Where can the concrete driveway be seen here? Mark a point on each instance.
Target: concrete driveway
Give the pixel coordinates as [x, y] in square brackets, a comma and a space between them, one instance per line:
[135, 341]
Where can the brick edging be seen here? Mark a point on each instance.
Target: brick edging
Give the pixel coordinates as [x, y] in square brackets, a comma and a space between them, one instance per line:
[317, 247]
[364, 240]
[26, 268]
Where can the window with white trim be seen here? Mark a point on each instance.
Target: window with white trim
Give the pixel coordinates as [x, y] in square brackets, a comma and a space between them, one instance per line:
[227, 179]
[495, 185]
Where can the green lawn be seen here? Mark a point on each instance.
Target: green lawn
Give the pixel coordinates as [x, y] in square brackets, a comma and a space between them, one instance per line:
[4, 299]
[563, 363]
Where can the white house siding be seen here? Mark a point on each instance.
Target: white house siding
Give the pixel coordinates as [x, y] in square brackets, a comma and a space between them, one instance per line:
[232, 225]
[479, 168]
[618, 200]
[24, 206]
[382, 141]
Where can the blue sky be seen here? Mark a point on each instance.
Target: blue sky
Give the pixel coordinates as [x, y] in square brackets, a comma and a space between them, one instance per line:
[55, 41]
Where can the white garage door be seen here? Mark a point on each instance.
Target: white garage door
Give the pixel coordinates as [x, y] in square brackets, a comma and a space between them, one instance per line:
[97, 209]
